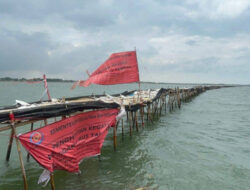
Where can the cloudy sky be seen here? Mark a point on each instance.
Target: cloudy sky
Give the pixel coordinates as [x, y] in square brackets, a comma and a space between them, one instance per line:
[176, 41]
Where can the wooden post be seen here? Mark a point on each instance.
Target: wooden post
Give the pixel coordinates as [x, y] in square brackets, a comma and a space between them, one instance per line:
[10, 145]
[157, 107]
[133, 119]
[99, 158]
[142, 115]
[52, 181]
[31, 129]
[178, 98]
[165, 102]
[122, 129]
[136, 122]
[155, 110]
[130, 123]
[151, 110]
[115, 137]
[148, 111]
[11, 115]
[169, 101]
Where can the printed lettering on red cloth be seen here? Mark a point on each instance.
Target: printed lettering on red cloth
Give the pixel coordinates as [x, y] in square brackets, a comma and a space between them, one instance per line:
[119, 68]
[63, 144]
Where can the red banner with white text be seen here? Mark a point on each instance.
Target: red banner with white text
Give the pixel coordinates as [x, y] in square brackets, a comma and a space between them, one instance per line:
[119, 68]
[63, 144]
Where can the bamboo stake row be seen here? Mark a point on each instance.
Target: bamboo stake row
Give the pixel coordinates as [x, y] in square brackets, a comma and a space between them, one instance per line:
[152, 110]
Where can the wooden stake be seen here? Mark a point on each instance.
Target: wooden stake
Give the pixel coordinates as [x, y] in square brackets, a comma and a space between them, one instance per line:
[136, 122]
[31, 129]
[99, 158]
[133, 119]
[148, 111]
[122, 129]
[130, 123]
[52, 181]
[165, 104]
[19, 151]
[10, 145]
[115, 137]
[142, 115]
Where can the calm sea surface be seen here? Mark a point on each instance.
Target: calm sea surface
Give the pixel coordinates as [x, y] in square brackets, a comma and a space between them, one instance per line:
[204, 145]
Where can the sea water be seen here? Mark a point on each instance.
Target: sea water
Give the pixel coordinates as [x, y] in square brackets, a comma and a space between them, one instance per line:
[203, 145]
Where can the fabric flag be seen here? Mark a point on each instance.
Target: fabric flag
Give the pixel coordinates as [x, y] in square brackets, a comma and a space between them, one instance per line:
[77, 83]
[118, 69]
[63, 144]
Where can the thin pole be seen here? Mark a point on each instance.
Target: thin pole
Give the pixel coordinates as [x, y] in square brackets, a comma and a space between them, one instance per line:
[115, 137]
[45, 122]
[130, 123]
[31, 129]
[52, 181]
[122, 129]
[148, 111]
[142, 115]
[10, 145]
[133, 119]
[11, 115]
[139, 82]
[136, 122]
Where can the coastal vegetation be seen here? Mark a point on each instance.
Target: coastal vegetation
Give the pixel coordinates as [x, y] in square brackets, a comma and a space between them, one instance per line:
[34, 79]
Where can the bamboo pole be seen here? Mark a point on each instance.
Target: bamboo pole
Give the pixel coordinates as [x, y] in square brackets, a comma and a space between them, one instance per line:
[52, 181]
[31, 129]
[10, 145]
[169, 101]
[130, 123]
[11, 115]
[150, 114]
[151, 110]
[18, 125]
[136, 122]
[165, 100]
[45, 122]
[142, 115]
[161, 104]
[148, 111]
[115, 137]
[122, 129]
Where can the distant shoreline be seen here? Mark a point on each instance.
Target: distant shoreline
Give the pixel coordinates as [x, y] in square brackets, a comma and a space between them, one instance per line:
[10, 79]
[6, 79]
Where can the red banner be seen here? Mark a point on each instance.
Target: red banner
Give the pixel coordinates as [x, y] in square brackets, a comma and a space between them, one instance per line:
[63, 144]
[119, 68]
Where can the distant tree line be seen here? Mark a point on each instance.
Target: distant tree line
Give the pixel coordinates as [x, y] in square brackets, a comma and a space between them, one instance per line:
[34, 79]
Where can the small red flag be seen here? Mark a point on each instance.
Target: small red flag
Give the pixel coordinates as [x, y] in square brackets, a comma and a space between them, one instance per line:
[119, 68]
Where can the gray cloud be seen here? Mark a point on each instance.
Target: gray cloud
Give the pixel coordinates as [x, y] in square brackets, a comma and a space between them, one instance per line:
[190, 39]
